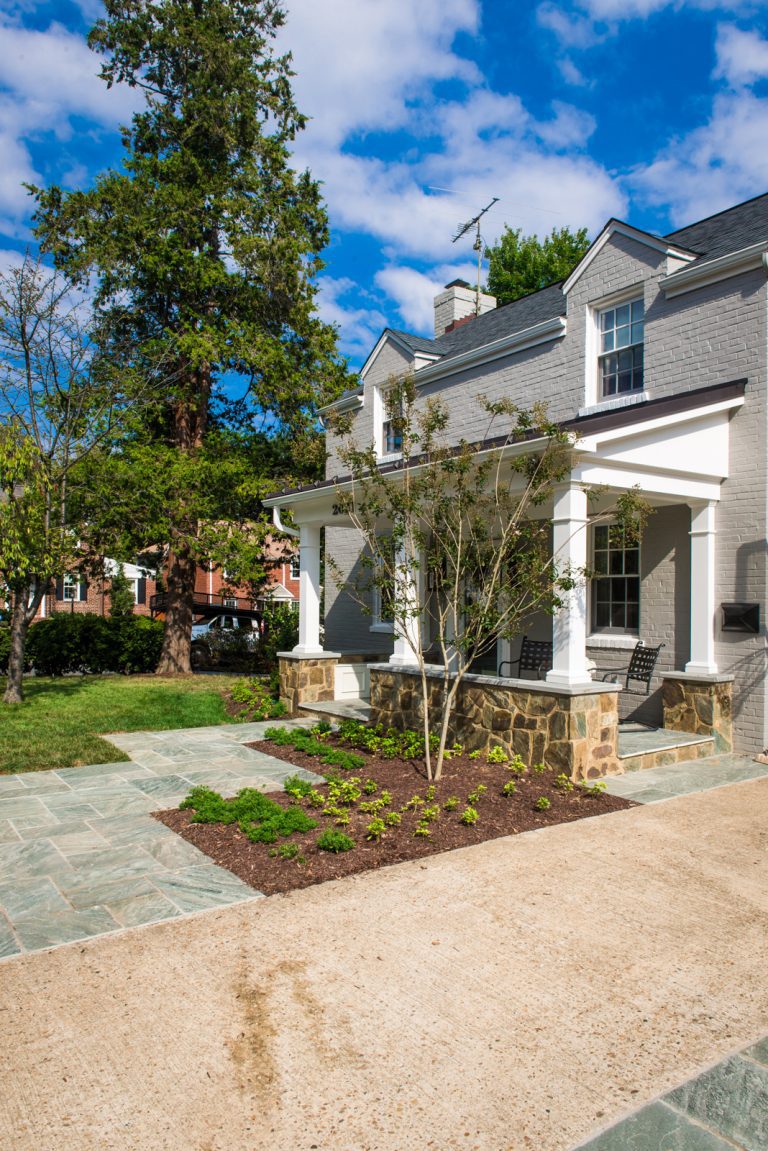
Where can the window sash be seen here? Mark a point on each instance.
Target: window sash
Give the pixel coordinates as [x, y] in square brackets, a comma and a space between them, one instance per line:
[622, 335]
[616, 583]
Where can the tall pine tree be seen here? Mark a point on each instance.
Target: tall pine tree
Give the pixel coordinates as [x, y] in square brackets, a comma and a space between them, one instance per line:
[204, 246]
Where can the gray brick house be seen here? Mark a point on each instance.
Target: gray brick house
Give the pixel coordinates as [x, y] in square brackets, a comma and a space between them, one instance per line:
[654, 353]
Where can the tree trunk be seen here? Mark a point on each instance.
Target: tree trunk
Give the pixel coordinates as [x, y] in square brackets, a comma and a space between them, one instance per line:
[175, 654]
[20, 620]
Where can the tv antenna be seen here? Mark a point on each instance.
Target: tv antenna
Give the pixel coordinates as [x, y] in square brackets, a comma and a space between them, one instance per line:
[478, 245]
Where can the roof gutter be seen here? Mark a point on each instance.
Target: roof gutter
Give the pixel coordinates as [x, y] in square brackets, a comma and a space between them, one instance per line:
[711, 271]
[547, 330]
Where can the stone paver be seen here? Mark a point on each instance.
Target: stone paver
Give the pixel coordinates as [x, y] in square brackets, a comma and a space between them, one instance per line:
[723, 1109]
[81, 855]
[658, 783]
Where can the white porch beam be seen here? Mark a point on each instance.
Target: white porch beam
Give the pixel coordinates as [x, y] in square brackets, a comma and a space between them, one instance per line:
[406, 592]
[703, 555]
[309, 591]
[569, 626]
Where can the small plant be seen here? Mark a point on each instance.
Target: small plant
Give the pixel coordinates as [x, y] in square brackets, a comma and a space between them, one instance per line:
[469, 816]
[413, 803]
[287, 851]
[297, 787]
[335, 841]
[342, 820]
[475, 796]
[594, 789]
[542, 803]
[516, 765]
[451, 803]
[375, 830]
[260, 819]
[332, 810]
[430, 793]
[539, 768]
[509, 788]
[497, 755]
[563, 782]
[372, 806]
[475, 754]
[452, 752]
[430, 814]
[344, 791]
[370, 787]
[315, 799]
[321, 730]
[423, 830]
[257, 702]
[392, 818]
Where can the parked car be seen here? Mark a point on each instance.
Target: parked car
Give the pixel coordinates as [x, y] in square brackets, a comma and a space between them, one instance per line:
[223, 639]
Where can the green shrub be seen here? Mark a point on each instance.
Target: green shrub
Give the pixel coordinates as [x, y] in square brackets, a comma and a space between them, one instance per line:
[307, 743]
[260, 819]
[67, 643]
[258, 702]
[469, 816]
[389, 743]
[542, 803]
[335, 841]
[280, 632]
[297, 787]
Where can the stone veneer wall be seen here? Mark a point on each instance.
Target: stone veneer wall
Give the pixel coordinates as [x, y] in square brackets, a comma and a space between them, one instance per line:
[306, 679]
[700, 706]
[574, 733]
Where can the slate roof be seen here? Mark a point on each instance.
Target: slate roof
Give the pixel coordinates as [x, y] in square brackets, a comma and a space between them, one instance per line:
[727, 231]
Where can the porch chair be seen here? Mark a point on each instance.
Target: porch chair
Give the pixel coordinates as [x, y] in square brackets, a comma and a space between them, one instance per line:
[639, 668]
[535, 655]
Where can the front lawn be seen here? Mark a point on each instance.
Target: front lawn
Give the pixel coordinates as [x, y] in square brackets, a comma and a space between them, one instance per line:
[61, 720]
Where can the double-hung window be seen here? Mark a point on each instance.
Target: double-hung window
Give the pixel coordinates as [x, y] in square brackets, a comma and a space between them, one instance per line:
[616, 581]
[70, 587]
[295, 567]
[621, 349]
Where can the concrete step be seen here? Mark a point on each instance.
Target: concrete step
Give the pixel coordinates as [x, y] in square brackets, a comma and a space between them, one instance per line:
[641, 747]
[337, 709]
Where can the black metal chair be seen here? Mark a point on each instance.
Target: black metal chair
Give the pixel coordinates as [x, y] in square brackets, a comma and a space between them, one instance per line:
[535, 655]
[640, 668]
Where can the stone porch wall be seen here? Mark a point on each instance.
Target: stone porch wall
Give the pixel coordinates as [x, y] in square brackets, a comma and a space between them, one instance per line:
[306, 679]
[700, 705]
[572, 730]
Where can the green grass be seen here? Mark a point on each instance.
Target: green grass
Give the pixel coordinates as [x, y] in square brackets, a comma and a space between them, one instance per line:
[60, 721]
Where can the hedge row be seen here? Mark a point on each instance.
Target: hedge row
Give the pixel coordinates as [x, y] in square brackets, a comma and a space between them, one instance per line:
[89, 643]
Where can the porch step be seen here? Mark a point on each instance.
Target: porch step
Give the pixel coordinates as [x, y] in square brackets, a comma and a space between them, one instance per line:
[642, 747]
[336, 709]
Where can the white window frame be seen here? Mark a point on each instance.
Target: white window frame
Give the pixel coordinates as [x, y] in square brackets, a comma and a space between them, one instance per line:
[386, 626]
[295, 566]
[593, 393]
[380, 420]
[612, 637]
[70, 584]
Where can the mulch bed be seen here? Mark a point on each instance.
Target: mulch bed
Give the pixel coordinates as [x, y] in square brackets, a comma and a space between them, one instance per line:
[498, 815]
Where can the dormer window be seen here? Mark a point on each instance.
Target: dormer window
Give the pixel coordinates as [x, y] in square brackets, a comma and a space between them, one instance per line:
[621, 349]
[389, 424]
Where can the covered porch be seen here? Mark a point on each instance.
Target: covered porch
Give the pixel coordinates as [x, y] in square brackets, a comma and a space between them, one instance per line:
[675, 453]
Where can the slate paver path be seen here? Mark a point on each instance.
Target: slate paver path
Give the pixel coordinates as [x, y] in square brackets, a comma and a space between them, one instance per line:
[657, 783]
[80, 854]
[723, 1109]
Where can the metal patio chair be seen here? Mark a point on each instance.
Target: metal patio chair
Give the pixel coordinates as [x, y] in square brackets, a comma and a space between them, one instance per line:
[640, 669]
[535, 655]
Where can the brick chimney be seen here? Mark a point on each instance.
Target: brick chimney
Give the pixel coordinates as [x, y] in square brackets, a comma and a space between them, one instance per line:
[456, 305]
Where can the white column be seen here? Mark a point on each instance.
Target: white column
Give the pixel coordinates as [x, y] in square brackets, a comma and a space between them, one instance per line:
[569, 626]
[309, 591]
[406, 591]
[703, 550]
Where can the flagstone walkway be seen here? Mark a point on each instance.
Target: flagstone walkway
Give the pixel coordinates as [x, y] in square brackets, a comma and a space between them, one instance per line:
[80, 854]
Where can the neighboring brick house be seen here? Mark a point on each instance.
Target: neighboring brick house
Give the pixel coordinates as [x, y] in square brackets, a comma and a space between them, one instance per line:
[654, 352]
[73, 593]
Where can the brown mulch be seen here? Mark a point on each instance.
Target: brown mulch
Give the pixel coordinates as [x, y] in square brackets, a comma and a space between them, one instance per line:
[498, 815]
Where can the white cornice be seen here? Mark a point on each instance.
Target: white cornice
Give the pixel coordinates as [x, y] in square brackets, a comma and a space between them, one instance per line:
[545, 332]
[710, 271]
[616, 227]
[343, 404]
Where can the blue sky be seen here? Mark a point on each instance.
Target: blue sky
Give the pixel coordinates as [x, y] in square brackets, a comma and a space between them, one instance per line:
[569, 112]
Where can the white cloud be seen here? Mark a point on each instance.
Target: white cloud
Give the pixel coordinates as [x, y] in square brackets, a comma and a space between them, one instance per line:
[742, 57]
[414, 291]
[716, 165]
[359, 326]
[572, 29]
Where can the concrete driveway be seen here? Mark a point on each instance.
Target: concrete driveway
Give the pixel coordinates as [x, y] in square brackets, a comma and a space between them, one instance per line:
[519, 994]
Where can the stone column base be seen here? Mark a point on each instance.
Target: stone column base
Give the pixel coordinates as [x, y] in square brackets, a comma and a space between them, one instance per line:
[306, 678]
[701, 705]
[574, 730]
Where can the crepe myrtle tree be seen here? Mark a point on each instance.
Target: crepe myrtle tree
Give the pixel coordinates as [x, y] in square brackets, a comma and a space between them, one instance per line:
[470, 518]
[61, 398]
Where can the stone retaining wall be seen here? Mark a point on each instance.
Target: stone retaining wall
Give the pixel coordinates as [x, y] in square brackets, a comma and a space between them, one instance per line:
[701, 706]
[572, 730]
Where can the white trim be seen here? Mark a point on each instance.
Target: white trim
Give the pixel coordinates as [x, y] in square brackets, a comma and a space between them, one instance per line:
[606, 641]
[592, 353]
[385, 336]
[711, 271]
[616, 227]
[613, 403]
[542, 333]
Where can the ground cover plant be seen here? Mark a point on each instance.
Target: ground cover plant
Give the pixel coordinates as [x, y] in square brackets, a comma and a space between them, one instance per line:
[61, 721]
[375, 806]
[253, 699]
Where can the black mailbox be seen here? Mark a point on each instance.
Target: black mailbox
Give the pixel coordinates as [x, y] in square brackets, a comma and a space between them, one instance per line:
[741, 617]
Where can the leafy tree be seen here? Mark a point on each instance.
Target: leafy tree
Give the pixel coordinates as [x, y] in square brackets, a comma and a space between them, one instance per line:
[204, 247]
[522, 264]
[472, 522]
[61, 397]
